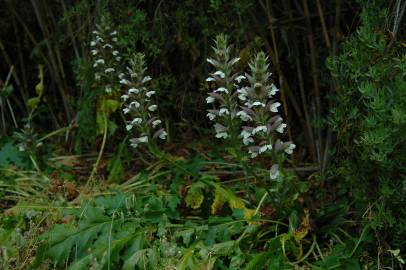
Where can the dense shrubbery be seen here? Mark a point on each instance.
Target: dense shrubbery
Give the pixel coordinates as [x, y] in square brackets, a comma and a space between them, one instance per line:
[117, 165]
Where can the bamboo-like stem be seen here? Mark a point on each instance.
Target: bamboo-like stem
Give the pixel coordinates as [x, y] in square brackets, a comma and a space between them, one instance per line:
[314, 71]
[54, 62]
[323, 25]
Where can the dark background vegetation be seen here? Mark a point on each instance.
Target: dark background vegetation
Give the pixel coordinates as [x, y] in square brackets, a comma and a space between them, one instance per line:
[340, 66]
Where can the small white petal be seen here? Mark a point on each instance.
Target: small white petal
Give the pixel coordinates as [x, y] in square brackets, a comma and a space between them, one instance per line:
[281, 127]
[126, 110]
[274, 172]
[211, 116]
[136, 121]
[150, 93]
[107, 46]
[109, 70]
[129, 127]
[152, 108]
[143, 139]
[223, 111]
[240, 78]
[124, 81]
[146, 79]
[257, 103]
[289, 149]
[210, 79]
[220, 74]
[245, 134]
[259, 129]
[133, 91]
[274, 106]
[247, 140]
[210, 99]
[210, 61]
[94, 52]
[221, 89]
[163, 135]
[156, 123]
[114, 39]
[135, 104]
[222, 135]
[244, 116]
[265, 148]
[93, 43]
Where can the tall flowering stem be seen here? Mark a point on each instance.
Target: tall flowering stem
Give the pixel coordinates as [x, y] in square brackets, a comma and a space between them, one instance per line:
[224, 98]
[137, 105]
[104, 55]
[260, 109]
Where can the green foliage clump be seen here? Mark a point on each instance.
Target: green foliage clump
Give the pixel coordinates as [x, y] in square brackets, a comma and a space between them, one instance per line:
[370, 120]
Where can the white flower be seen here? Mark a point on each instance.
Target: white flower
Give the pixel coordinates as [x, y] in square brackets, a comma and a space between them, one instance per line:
[289, 149]
[221, 89]
[99, 39]
[247, 140]
[210, 99]
[156, 122]
[125, 97]
[133, 91]
[220, 74]
[113, 33]
[129, 127]
[93, 43]
[118, 58]
[259, 129]
[163, 135]
[124, 81]
[126, 110]
[150, 93]
[273, 91]
[244, 116]
[146, 79]
[257, 103]
[115, 53]
[223, 135]
[210, 79]
[94, 52]
[254, 154]
[240, 78]
[97, 76]
[108, 70]
[265, 148]
[281, 127]
[245, 134]
[136, 121]
[107, 46]
[98, 62]
[108, 89]
[211, 116]
[152, 108]
[242, 97]
[95, 32]
[135, 104]
[210, 61]
[121, 75]
[223, 111]
[274, 106]
[114, 39]
[143, 139]
[242, 94]
[274, 172]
